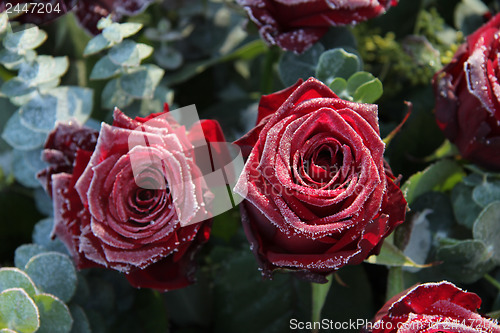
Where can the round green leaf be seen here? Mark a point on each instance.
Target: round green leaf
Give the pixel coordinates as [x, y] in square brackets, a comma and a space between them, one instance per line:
[337, 63]
[53, 273]
[96, 44]
[466, 261]
[129, 29]
[299, 66]
[26, 164]
[73, 103]
[26, 39]
[11, 277]
[142, 83]
[39, 113]
[113, 96]
[18, 311]
[80, 321]
[24, 253]
[112, 33]
[486, 192]
[125, 54]
[104, 69]
[487, 229]
[465, 209]
[20, 136]
[339, 86]
[43, 69]
[54, 314]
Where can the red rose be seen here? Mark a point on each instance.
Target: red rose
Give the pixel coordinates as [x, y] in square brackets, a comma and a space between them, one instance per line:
[118, 207]
[295, 25]
[433, 307]
[318, 193]
[468, 97]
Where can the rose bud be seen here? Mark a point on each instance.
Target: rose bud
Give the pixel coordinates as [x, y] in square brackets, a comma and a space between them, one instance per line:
[120, 204]
[467, 94]
[318, 194]
[295, 25]
[432, 307]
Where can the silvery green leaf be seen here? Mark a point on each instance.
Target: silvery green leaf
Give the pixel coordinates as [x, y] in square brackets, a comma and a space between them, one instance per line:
[129, 29]
[4, 22]
[125, 54]
[53, 273]
[337, 63]
[73, 103]
[43, 69]
[168, 58]
[54, 314]
[144, 50]
[39, 114]
[10, 60]
[113, 96]
[18, 311]
[16, 87]
[112, 33]
[43, 202]
[25, 252]
[299, 66]
[96, 44]
[142, 82]
[104, 22]
[104, 69]
[11, 277]
[487, 229]
[42, 235]
[23, 40]
[20, 136]
[80, 321]
[26, 164]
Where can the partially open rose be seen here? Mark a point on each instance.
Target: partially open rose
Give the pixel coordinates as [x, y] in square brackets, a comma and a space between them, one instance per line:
[468, 97]
[318, 193]
[295, 25]
[120, 205]
[433, 307]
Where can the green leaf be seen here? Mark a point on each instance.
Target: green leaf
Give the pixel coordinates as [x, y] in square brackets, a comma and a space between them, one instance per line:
[469, 15]
[54, 314]
[21, 137]
[125, 54]
[337, 63]
[339, 87]
[10, 60]
[142, 82]
[11, 277]
[104, 69]
[113, 96]
[23, 40]
[39, 113]
[319, 294]
[293, 67]
[440, 176]
[26, 164]
[168, 58]
[53, 273]
[391, 256]
[4, 22]
[112, 33]
[465, 261]
[129, 29]
[486, 192]
[43, 69]
[18, 311]
[465, 209]
[80, 321]
[73, 103]
[16, 87]
[24, 253]
[367, 92]
[487, 229]
[42, 233]
[96, 45]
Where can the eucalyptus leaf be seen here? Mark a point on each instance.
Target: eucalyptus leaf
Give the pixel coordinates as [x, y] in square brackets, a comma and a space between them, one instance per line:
[53, 273]
[39, 114]
[293, 67]
[142, 82]
[337, 63]
[16, 87]
[42, 233]
[10, 60]
[43, 69]
[487, 229]
[54, 314]
[105, 69]
[465, 261]
[113, 96]
[469, 15]
[391, 256]
[125, 54]
[112, 33]
[129, 29]
[23, 40]
[465, 209]
[20, 136]
[25, 252]
[486, 192]
[18, 311]
[368, 92]
[26, 164]
[73, 103]
[80, 321]
[96, 45]
[11, 277]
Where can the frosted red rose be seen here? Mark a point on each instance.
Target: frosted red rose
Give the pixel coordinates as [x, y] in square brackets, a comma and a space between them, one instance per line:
[121, 203]
[468, 97]
[318, 192]
[433, 307]
[295, 25]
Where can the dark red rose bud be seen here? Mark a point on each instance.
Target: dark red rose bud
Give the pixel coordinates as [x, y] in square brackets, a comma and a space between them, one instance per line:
[467, 94]
[122, 203]
[318, 193]
[295, 25]
[432, 307]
